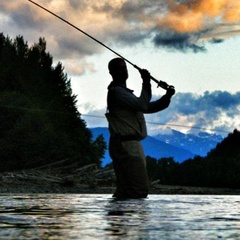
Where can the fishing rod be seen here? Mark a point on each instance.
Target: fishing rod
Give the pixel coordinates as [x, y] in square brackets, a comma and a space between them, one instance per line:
[160, 83]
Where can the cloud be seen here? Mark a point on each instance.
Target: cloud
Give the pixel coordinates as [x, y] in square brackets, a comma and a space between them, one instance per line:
[25, 18]
[212, 110]
[93, 117]
[217, 111]
[178, 41]
[189, 103]
[183, 25]
[216, 40]
[186, 25]
[187, 16]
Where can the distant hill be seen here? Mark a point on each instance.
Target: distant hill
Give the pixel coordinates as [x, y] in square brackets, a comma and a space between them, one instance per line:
[152, 147]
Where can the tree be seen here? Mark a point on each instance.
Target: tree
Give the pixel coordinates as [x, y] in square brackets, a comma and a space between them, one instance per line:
[220, 168]
[152, 168]
[40, 122]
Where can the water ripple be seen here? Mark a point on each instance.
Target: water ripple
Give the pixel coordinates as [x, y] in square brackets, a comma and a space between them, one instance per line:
[86, 216]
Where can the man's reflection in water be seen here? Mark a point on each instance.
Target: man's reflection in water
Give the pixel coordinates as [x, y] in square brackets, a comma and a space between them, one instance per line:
[127, 218]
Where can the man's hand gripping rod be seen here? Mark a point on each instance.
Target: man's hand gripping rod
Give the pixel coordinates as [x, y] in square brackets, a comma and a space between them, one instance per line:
[160, 83]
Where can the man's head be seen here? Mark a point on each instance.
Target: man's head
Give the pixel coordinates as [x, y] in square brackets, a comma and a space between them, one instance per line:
[118, 69]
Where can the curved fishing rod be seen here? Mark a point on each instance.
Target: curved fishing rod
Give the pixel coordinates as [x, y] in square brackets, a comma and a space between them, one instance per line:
[160, 83]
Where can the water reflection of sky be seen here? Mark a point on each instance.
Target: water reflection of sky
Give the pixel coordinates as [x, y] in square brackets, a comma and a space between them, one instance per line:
[127, 218]
[86, 216]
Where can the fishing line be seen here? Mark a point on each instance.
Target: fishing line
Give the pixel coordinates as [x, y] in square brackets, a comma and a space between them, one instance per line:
[166, 124]
[160, 83]
[103, 117]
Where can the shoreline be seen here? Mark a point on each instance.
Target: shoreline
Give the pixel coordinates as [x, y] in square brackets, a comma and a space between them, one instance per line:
[46, 188]
[32, 181]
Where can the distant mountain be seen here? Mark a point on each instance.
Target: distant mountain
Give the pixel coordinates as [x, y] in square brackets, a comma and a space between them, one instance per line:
[199, 144]
[152, 147]
[159, 149]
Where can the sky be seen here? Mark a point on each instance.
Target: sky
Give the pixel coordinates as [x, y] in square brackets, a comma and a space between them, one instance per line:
[190, 44]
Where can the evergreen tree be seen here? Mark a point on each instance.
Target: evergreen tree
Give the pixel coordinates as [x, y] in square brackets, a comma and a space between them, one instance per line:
[40, 122]
[220, 168]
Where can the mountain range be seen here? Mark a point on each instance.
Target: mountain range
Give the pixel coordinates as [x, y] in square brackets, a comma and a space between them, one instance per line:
[173, 144]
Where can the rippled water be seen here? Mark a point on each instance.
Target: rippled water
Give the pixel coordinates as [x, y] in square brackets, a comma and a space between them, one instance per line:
[86, 216]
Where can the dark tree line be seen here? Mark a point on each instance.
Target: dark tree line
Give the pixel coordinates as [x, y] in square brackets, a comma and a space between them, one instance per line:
[220, 168]
[39, 120]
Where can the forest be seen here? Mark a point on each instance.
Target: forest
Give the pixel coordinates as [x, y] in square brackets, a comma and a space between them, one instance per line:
[220, 168]
[40, 123]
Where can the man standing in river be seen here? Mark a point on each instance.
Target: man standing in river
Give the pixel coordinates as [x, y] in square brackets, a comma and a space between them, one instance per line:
[127, 127]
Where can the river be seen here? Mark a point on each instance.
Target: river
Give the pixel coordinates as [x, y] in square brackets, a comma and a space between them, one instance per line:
[91, 216]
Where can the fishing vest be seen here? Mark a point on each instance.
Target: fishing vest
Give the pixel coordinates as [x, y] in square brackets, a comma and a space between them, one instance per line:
[126, 123]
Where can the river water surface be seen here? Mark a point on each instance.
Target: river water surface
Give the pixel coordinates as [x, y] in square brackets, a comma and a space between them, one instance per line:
[90, 216]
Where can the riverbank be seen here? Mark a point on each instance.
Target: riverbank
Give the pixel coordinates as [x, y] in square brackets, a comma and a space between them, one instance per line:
[25, 187]
[22, 182]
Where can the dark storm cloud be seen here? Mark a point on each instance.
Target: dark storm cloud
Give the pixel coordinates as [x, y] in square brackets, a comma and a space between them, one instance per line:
[212, 103]
[218, 111]
[193, 41]
[191, 111]
[216, 40]
[182, 25]
[177, 41]
[176, 25]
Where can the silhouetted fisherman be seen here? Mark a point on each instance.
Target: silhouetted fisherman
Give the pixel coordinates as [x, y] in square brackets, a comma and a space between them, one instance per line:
[127, 127]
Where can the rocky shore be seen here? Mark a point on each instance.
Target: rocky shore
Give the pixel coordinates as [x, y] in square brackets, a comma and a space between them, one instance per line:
[97, 182]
